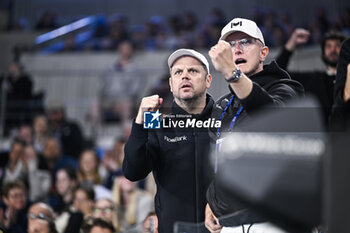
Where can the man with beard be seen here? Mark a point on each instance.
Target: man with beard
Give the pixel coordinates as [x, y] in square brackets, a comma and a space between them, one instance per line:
[320, 84]
[177, 156]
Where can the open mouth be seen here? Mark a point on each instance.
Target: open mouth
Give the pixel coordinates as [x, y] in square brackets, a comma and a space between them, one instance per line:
[186, 85]
[240, 61]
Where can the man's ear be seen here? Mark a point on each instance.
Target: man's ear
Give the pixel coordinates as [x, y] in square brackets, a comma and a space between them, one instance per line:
[171, 87]
[263, 53]
[208, 80]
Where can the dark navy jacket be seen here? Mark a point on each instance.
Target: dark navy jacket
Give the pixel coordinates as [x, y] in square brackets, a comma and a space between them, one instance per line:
[178, 158]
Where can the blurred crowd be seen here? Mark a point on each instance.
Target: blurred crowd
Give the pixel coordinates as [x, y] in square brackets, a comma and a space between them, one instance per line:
[187, 30]
[50, 164]
[52, 175]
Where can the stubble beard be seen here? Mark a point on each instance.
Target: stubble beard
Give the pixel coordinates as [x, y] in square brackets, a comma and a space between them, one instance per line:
[190, 103]
[329, 62]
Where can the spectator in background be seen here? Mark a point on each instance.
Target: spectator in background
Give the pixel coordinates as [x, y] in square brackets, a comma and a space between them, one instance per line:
[317, 83]
[18, 89]
[14, 214]
[41, 225]
[40, 210]
[39, 180]
[54, 159]
[67, 132]
[97, 225]
[25, 133]
[15, 169]
[133, 203]
[41, 132]
[23, 165]
[88, 173]
[82, 207]
[122, 86]
[41, 219]
[105, 209]
[19, 82]
[113, 161]
[65, 185]
[88, 167]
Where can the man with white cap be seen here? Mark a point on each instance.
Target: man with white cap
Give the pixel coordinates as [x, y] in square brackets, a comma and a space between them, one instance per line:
[239, 56]
[177, 156]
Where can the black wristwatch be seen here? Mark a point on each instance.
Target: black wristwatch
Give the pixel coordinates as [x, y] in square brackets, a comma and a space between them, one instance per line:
[236, 75]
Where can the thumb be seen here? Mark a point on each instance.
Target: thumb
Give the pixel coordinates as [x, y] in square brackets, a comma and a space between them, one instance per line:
[160, 101]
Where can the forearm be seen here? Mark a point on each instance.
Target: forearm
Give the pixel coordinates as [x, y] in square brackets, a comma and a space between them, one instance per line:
[243, 87]
[137, 162]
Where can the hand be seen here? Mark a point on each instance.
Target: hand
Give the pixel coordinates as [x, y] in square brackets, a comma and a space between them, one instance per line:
[150, 103]
[211, 222]
[8, 217]
[347, 85]
[298, 37]
[222, 58]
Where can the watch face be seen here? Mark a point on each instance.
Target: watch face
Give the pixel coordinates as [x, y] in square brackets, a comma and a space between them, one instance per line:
[238, 73]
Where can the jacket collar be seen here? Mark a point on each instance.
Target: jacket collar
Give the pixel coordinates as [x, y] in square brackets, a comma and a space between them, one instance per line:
[176, 109]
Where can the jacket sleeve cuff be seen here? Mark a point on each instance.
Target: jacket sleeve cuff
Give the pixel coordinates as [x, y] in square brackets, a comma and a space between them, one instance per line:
[211, 199]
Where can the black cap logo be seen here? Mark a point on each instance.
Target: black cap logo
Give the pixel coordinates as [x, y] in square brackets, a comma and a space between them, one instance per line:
[236, 24]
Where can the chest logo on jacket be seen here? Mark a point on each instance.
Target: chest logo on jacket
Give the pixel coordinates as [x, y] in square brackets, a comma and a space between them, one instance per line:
[176, 139]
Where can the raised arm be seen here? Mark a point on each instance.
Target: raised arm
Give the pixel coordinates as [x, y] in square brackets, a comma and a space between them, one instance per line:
[140, 149]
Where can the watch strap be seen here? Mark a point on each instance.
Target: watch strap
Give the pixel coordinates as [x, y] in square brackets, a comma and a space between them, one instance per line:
[236, 75]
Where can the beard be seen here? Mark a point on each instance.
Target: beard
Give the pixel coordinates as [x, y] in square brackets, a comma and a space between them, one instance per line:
[190, 101]
[330, 62]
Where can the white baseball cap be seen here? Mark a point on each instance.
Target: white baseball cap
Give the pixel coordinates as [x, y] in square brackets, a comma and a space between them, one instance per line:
[187, 52]
[246, 26]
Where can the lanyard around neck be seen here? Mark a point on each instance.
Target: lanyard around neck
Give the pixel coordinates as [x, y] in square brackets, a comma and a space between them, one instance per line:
[233, 121]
